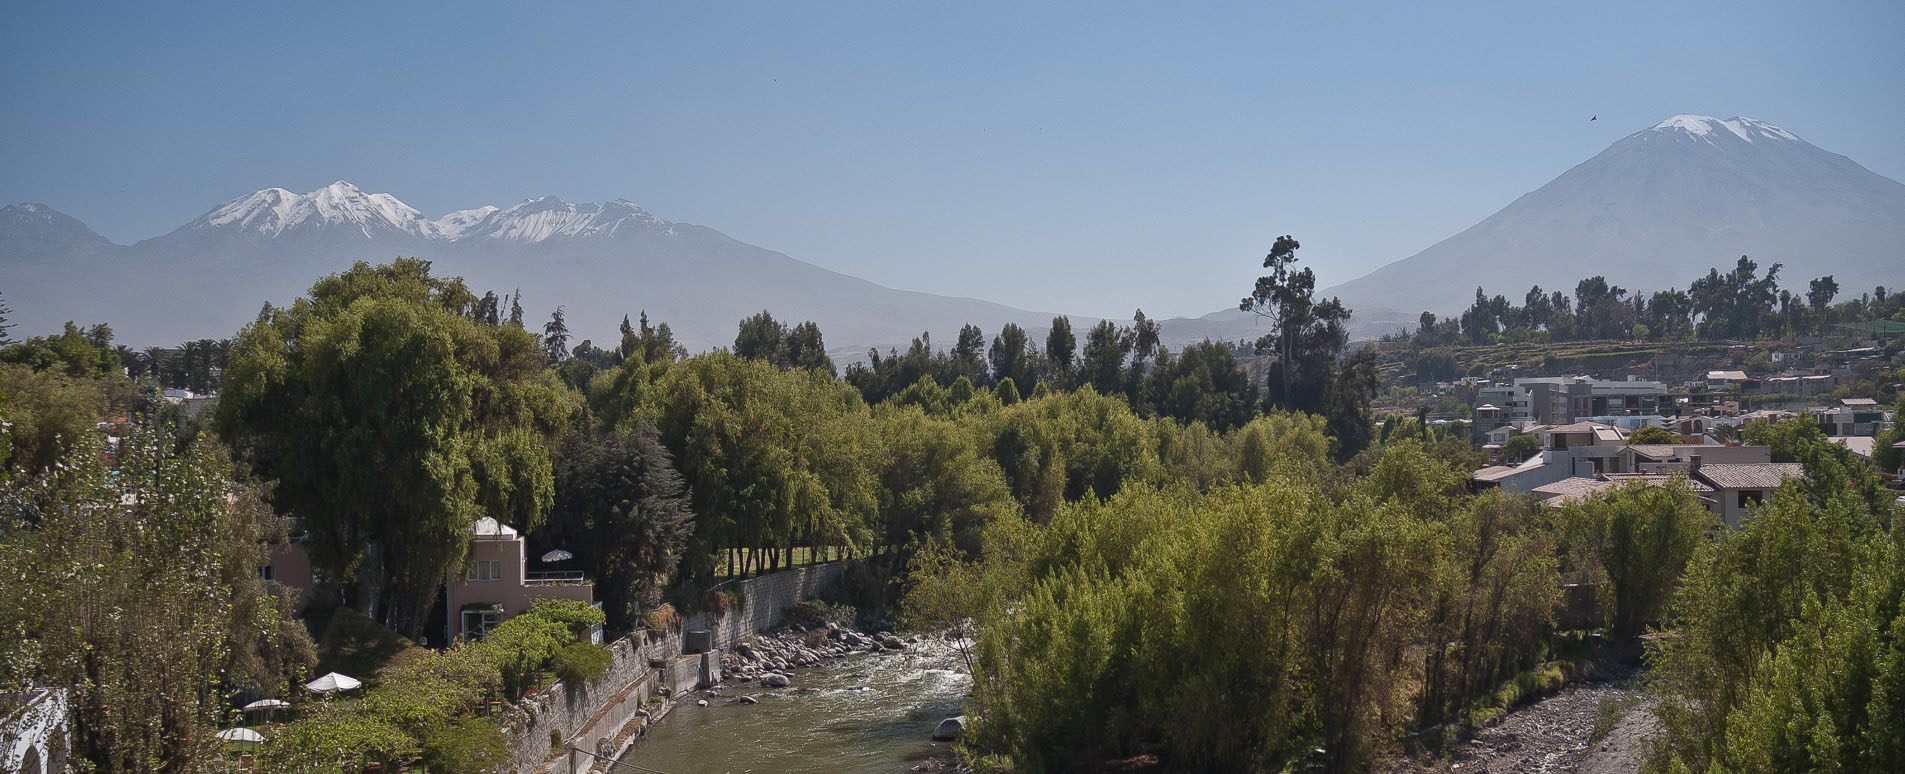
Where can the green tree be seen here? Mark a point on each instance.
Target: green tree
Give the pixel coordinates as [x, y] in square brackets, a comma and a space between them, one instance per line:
[969, 354]
[934, 484]
[1519, 448]
[391, 421]
[1007, 391]
[1787, 650]
[97, 601]
[1434, 365]
[1306, 335]
[555, 336]
[1203, 383]
[1307, 339]
[50, 413]
[1060, 346]
[1102, 361]
[77, 352]
[761, 338]
[1885, 452]
[1014, 357]
[1651, 434]
[806, 349]
[622, 510]
[1820, 293]
[1496, 591]
[652, 345]
[771, 458]
[1638, 538]
[1600, 310]
[1738, 303]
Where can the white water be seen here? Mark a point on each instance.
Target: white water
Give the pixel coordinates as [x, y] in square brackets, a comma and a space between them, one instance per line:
[862, 713]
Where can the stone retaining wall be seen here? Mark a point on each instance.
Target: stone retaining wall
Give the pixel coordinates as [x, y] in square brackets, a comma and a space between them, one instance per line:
[562, 710]
[600, 710]
[765, 599]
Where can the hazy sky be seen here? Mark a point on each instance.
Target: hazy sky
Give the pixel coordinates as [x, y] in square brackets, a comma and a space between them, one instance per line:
[1084, 158]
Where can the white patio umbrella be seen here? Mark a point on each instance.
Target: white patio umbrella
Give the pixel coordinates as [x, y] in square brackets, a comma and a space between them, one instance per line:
[332, 683]
[244, 735]
[557, 556]
[266, 704]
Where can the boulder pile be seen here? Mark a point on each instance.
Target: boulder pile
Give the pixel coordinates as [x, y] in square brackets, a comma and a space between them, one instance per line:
[769, 656]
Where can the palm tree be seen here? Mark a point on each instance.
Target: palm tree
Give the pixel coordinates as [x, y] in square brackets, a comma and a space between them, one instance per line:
[128, 358]
[153, 361]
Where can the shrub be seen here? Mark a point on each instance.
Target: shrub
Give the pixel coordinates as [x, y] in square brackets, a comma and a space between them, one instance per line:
[579, 616]
[580, 662]
[661, 619]
[815, 611]
[720, 602]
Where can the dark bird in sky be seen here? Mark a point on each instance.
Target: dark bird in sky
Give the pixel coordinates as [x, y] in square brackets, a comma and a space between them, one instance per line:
[1595, 117]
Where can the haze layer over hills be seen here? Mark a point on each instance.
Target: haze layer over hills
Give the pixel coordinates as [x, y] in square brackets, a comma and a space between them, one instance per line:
[211, 276]
[1654, 210]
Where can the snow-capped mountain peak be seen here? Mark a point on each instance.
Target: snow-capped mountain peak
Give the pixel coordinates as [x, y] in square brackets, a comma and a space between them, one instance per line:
[274, 211]
[536, 220]
[456, 224]
[1708, 127]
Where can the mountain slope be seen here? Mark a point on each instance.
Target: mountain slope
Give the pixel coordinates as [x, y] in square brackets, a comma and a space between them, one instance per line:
[1655, 210]
[209, 277]
[36, 232]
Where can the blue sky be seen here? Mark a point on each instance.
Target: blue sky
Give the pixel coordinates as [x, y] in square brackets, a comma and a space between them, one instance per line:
[1086, 158]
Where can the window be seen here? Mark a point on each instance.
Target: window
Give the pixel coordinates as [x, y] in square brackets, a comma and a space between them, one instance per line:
[478, 623]
[484, 570]
[267, 572]
[1747, 497]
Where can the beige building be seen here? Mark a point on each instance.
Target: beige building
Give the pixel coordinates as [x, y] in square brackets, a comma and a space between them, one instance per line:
[496, 583]
[1736, 487]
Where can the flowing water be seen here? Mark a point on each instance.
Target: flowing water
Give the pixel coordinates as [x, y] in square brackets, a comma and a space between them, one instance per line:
[867, 712]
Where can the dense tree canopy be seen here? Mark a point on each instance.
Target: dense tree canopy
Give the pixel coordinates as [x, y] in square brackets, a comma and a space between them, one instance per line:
[391, 419]
[621, 509]
[1739, 304]
[94, 598]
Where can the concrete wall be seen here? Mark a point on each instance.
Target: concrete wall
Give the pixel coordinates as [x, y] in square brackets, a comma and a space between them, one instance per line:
[592, 713]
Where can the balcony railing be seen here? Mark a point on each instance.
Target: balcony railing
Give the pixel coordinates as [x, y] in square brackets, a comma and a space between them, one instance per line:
[555, 578]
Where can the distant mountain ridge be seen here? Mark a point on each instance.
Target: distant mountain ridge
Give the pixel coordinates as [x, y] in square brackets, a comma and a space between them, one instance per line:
[601, 261]
[1657, 209]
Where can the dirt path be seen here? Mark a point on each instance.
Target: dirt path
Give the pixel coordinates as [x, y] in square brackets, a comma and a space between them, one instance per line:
[1556, 735]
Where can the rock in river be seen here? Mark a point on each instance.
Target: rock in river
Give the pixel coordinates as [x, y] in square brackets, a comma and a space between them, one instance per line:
[950, 729]
[775, 680]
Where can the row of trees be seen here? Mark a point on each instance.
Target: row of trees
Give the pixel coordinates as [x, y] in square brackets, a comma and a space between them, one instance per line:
[1788, 648]
[1304, 367]
[392, 407]
[1336, 611]
[89, 351]
[1320, 608]
[1738, 304]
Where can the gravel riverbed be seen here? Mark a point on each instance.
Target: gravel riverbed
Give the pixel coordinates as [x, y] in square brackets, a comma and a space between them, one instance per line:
[1556, 734]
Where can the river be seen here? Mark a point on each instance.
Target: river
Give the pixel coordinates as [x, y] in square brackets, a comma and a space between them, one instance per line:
[866, 712]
